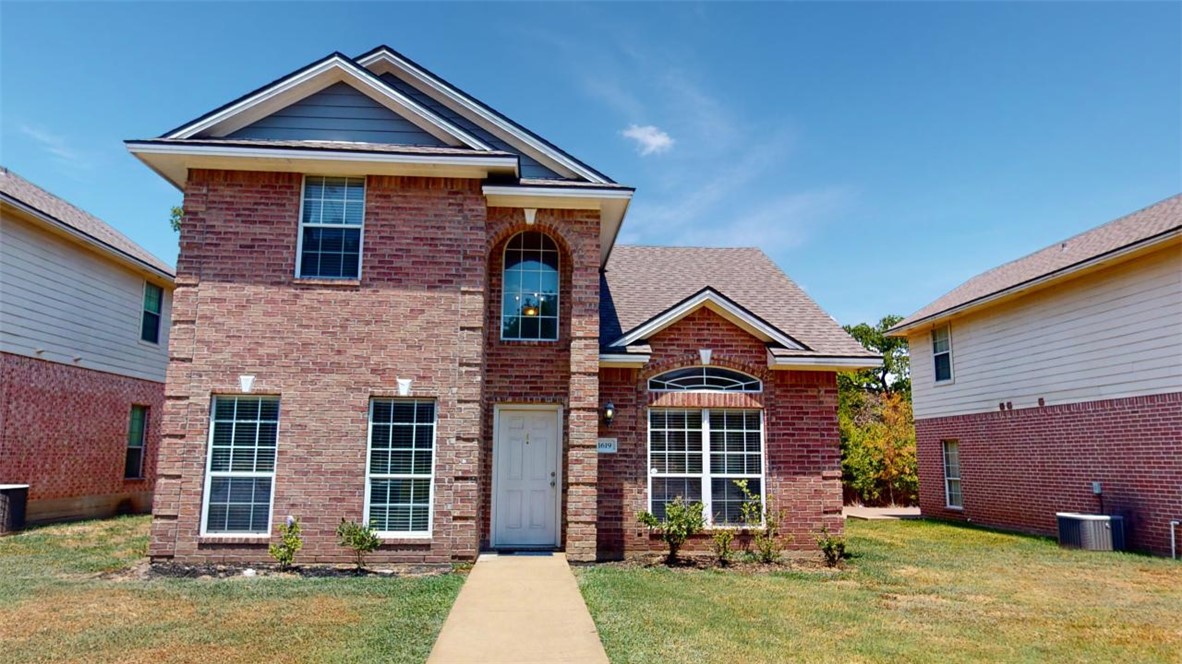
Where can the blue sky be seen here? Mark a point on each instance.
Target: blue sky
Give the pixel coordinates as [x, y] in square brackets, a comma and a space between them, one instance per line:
[880, 153]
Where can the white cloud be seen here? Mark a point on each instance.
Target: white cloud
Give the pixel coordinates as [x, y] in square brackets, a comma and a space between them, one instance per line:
[649, 139]
[57, 146]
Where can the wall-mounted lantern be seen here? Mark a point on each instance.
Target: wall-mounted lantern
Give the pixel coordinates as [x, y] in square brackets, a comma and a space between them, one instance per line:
[609, 413]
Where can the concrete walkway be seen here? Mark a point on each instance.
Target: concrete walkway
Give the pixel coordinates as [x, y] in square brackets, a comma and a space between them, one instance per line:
[519, 608]
[876, 513]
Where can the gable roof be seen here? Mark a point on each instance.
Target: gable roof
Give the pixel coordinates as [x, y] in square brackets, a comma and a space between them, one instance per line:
[641, 284]
[303, 82]
[1146, 227]
[24, 195]
[385, 58]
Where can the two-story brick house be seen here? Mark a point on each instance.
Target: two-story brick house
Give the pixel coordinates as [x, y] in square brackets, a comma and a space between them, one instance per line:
[396, 305]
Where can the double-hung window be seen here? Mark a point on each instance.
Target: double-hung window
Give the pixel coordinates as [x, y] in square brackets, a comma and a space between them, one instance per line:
[331, 220]
[153, 306]
[241, 465]
[137, 433]
[942, 353]
[698, 454]
[401, 460]
[952, 493]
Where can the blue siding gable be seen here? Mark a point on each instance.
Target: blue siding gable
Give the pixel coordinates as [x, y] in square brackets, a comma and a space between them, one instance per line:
[338, 113]
[530, 168]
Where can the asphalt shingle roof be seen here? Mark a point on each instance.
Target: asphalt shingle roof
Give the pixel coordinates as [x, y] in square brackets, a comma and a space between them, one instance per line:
[642, 282]
[1137, 227]
[17, 188]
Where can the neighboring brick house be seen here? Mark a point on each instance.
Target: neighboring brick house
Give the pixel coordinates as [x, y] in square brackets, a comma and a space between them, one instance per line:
[83, 353]
[1060, 369]
[397, 306]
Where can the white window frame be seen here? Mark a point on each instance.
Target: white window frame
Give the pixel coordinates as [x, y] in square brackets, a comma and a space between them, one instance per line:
[236, 473]
[143, 446]
[705, 476]
[144, 313]
[395, 534]
[951, 371]
[948, 480]
[299, 262]
[557, 292]
[699, 390]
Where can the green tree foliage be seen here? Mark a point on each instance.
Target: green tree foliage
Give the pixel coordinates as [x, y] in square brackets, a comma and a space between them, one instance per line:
[895, 373]
[877, 428]
[174, 218]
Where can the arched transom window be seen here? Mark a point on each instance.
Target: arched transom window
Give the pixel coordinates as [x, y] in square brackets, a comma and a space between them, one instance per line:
[529, 305]
[715, 379]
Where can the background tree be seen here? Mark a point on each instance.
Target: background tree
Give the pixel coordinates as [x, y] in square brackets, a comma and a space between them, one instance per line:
[895, 373]
[174, 218]
[877, 427]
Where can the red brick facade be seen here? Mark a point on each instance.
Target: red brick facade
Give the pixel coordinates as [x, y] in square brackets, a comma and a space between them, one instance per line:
[1019, 467]
[427, 307]
[63, 431]
[803, 456]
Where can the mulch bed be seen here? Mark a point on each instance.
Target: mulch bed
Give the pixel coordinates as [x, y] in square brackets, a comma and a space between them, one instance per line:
[180, 571]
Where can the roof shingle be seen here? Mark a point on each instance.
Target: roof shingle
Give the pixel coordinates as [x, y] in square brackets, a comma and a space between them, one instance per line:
[17, 188]
[642, 282]
[1137, 227]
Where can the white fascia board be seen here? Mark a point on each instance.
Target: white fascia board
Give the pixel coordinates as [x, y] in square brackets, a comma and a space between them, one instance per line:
[172, 161]
[719, 305]
[330, 71]
[1096, 262]
[622, 360]
[449, 96]
[61, 228]
[821, 363]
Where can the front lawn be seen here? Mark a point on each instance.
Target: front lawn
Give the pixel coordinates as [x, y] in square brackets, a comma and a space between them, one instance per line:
[916, 591]
[66, 594]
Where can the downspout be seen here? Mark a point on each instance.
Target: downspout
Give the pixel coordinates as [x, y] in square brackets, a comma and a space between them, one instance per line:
[1173, 540]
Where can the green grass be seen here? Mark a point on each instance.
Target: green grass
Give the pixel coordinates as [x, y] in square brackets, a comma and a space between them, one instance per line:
[63, 598]
[915, 591]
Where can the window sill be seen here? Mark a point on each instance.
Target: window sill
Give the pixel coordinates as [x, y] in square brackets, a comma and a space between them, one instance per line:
[260, 540]
[344, 283]
[134, 479]
[954, 508]
[405, 540]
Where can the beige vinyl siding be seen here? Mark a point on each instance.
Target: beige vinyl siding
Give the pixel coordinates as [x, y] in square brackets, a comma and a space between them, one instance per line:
[1113, 333]
[69, 301]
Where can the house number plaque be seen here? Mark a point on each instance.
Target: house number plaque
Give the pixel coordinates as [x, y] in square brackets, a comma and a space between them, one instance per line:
[608, 445]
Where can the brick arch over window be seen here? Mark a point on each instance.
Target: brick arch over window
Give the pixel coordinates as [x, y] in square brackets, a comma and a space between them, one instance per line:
[496, 282]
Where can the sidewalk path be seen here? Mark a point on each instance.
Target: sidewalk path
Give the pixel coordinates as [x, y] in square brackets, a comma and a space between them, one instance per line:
[519, 608]
[876, 513]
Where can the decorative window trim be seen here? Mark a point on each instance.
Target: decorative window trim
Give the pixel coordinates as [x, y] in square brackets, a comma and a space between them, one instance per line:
[706, 476]
[144, 312]
[369, 475]
[949, 479]
[658, 383]
[133, 444]
[209, 473]
[300, 225]
[557, 291]
[947, 329]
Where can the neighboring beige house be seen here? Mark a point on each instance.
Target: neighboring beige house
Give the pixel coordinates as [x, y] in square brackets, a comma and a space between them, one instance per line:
[84, 318]
[1040, 377]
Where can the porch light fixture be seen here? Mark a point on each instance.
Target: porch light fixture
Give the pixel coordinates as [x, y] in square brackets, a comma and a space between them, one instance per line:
[529, 308]
[609, 413]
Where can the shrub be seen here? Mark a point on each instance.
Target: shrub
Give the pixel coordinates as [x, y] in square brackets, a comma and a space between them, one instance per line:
[722, 545]
[764, 524]
[833, 546]
[682, 521]
[362, 539]
[290, 543]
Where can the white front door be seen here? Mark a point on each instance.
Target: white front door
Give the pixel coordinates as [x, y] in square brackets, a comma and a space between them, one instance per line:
[526, 478]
